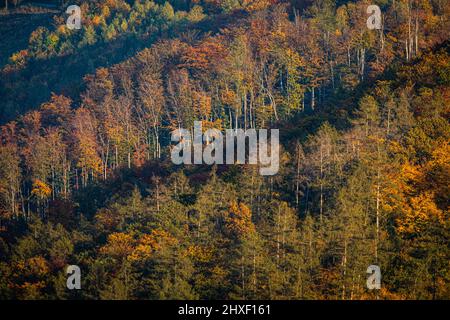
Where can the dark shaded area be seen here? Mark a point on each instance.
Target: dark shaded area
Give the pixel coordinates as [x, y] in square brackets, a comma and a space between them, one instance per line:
[15, 30]
[26, 89]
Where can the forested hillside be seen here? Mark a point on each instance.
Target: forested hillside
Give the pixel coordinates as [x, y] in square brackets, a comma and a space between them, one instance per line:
[86, 177]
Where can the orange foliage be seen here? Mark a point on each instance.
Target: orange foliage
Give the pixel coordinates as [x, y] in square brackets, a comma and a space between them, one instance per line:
[207, 56]
[202, 104]
[19, 58]
[41, 189]
[199, 253]
[253, 5]
[150, 243]
[35, 266]
[415, 190]
[238, 220]
[96, 20]
[119, 245]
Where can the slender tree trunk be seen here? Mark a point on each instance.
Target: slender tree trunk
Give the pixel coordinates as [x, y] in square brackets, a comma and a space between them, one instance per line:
[388, 121]
[157, 196]
[117, 156]
[13, 202]
[53, 182]
[244, 97]
[299, 287]
[321, 183]
[353, 288]
[409, 28]
[382, 34]
[105, 164]
[348, 56]
[65, 177]
[344, 266]
[254, 269]
[406, 50]
[250, 108]
[332, 73]
[76, 179]
[297, 180]
[243, 275]
[377, 223]
[416, 38]
[363, 62]
[278, 238]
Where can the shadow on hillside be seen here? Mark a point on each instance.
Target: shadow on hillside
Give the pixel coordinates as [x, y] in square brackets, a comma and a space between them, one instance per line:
[26, 89]
[15, 29]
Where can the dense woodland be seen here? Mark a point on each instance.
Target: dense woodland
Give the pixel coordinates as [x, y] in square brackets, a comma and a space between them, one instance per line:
[86, 176]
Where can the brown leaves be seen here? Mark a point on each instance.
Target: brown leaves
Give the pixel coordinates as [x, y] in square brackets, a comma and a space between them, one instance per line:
[29, 277]
[119, 245]
[208, 55]
[56, 111]
[86, 147]
[122, 245]
[199, 253]
[238, 220]
[150, 243]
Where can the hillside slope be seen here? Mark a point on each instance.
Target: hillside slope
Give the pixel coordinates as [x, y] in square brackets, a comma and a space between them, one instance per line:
[363, 171]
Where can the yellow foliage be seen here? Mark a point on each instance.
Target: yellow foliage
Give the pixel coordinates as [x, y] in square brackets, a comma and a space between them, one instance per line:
[216, 124]
[119, 245]
[202, 104]
[413, 192]
[41, 189]
[218, 271]
[199, 253]
[253, 5]
[157, 237]
[105, 11]
[239, 220]
[35, 266]
[228, 97]
[150, 243]
[417, 213]
[141, 252]
[441, 155]
[62, 29]
[294, 58]
[19, 58]
[53, 37]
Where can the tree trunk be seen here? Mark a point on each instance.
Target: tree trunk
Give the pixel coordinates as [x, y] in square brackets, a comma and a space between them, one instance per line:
[297, 182]
[377, 231]
[243, 275]
[321, 182]
[416, 37]
[344, 266]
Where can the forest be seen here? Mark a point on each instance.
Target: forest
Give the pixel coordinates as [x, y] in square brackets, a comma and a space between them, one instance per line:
[86, 177]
